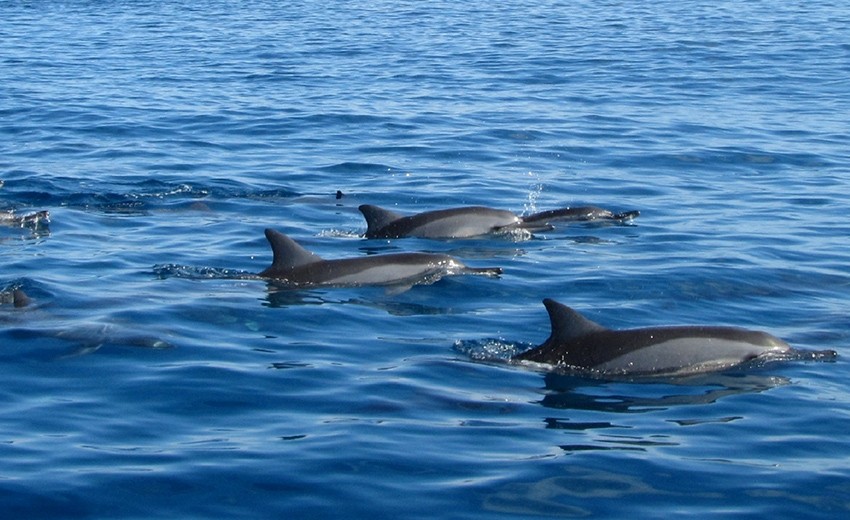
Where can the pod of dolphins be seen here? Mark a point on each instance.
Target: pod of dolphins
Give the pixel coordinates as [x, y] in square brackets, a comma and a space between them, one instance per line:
[575, 343]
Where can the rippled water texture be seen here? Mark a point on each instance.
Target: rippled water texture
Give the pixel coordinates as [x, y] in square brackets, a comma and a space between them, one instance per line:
[148, 375]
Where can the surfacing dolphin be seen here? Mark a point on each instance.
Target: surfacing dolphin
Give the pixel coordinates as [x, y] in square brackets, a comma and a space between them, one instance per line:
[472, 221]
[296, 267]
[578, 343]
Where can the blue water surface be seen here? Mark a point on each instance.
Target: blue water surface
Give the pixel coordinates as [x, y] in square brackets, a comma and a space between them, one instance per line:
[146, 379]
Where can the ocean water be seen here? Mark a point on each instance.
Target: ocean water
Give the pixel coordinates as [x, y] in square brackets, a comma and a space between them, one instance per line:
[145, 379]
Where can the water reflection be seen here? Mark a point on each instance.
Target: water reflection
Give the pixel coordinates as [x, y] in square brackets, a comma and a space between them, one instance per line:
[570, 392]
[277, 298]
[373, 297]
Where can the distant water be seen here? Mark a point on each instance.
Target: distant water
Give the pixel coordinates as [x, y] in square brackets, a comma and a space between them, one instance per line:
[146, 381]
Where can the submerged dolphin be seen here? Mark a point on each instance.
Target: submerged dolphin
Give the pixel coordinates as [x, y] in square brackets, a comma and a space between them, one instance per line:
[577, 342]
[297, 267]
[471, 221]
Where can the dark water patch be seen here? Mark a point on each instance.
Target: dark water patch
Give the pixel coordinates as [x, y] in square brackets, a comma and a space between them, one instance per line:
[566, 424]
[356, 168]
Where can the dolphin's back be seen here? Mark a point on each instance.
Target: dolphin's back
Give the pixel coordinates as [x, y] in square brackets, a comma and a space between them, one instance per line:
[402, 269]
[297, 267]
[578, 342]
[464, 222]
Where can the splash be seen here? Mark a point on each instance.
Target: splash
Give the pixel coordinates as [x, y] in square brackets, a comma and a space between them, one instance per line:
[201, 273]
[489, 349]
[535, 190]
[340, 233]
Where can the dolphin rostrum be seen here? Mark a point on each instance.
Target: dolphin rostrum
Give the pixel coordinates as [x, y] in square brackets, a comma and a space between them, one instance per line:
[576, 342]
[472, 221]
[295, 266]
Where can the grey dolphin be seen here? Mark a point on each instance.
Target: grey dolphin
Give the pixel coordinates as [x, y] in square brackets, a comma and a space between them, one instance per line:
[577, 342]
[472, 221]
[577, 214]
[295, 266]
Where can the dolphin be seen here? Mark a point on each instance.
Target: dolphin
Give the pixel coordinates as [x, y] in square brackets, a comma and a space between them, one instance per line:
[578, 214]
[472, 221]
[577, 342]
[295, 266]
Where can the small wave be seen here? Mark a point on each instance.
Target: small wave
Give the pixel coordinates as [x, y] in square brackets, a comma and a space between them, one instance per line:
[139, 198]
[356, 167]
[169, 191]
[200, 273]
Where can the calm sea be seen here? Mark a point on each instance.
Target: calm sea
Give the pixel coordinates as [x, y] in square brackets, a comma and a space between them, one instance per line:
[145, 381]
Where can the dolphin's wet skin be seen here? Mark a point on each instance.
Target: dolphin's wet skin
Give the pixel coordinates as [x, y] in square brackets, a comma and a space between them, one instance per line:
[294, 266]
[578, 343]
[474, 221]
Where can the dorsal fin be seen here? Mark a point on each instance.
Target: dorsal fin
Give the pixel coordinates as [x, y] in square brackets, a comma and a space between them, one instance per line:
[20, 298]
[568, 324]
[377, 218]
[287, 253]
